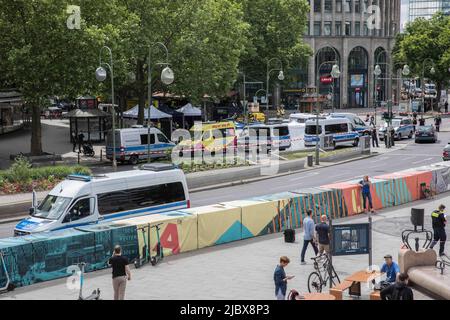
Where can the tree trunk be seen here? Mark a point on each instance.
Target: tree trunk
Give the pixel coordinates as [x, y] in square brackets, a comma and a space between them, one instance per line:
[36, 134]
[141, 92]
[438, 96]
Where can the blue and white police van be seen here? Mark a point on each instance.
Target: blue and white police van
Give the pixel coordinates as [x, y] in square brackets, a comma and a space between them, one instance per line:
[340, 130]
[360, 126]
[82, 200]
[132, 144]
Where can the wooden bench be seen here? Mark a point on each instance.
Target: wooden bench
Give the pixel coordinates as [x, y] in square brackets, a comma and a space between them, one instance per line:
[375, 295]
[338, 290]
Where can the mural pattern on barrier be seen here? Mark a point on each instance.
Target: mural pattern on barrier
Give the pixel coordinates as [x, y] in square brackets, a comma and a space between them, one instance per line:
[37, 258]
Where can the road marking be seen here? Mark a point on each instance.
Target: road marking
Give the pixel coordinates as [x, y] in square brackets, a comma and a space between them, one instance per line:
[424, 160]
[305, 176]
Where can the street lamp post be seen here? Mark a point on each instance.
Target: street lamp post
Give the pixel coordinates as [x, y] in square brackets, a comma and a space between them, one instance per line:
[432, 71]
[280, 77]
[167, 77]
[101, 75]
[335, 72]
[245, 96]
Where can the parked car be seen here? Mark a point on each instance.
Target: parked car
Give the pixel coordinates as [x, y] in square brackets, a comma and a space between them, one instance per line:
[403, 128]
[446, 153]
[426, 134]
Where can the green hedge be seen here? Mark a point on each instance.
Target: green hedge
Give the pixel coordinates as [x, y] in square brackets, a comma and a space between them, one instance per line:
[22, 172]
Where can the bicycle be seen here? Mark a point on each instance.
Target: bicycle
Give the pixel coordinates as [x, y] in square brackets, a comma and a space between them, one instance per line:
[319, 278]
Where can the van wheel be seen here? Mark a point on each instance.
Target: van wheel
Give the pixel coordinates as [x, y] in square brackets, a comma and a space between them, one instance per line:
[134, 160]
[356, 142]
[334, 144]
[410, 135]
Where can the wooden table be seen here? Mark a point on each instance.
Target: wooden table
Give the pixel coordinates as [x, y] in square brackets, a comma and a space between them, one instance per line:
[318, 296]
[363, 276]
[359, 277]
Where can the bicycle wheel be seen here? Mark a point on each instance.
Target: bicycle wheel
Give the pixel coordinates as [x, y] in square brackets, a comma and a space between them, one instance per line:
[314, 283]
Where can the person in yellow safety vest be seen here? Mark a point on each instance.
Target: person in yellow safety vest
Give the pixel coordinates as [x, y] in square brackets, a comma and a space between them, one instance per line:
[438, 222]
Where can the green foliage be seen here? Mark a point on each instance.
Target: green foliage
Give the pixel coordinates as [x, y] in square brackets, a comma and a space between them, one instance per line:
[22, 172]
[425, 43]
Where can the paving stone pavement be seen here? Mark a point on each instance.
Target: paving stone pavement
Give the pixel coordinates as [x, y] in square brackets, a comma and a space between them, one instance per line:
[239, 270]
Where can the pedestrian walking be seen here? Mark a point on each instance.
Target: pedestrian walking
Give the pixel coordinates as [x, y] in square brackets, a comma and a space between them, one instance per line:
[414, 122]
[374, 135]
[120, 273]
[438, 122]
[323, 235]
[398, 290]
[280, 278]
[80, 141]
[421, 121]
[366, 195]
[308, 237]
[439, 222]
[392, 136]
[74, 141]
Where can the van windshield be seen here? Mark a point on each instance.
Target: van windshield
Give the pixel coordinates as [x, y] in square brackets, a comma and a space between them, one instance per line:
[311, 129]
[52, 207]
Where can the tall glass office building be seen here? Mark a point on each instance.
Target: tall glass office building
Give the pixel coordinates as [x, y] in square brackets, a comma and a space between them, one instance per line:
[427, 8]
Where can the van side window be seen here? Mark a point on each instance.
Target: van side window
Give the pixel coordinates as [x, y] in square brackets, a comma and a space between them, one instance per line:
[132, 199]
[162, 138]
[336, 128]
[144, 139]
[79, 210]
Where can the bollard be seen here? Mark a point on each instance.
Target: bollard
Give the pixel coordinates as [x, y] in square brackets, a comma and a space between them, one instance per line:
[310, 160]
[78, 157]
[101, 155]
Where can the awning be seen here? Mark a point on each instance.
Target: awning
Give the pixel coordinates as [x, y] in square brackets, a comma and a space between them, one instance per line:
[190, 111]
[87, 113]
[155, 114]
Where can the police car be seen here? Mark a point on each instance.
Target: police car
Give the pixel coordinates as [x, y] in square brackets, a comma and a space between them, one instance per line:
[403, 128]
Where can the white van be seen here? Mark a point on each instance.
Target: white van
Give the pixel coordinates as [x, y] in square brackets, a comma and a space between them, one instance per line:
[132, 144]
[301, 117]
[340, 129]
[81, 200]
[278, 135]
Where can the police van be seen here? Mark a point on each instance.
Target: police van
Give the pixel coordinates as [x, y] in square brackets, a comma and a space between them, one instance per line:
[81, 200]
[340, 130]
[132, 144]
[362, 128]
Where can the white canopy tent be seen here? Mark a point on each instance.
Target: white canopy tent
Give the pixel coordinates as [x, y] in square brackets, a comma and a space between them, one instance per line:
[190, 111]
[155, 114]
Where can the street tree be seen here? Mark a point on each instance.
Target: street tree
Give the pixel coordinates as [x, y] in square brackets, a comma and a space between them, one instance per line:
[47, 50]
[424, 44]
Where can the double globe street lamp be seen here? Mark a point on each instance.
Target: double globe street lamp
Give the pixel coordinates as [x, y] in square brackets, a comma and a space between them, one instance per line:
[101, 75]
[167, 78]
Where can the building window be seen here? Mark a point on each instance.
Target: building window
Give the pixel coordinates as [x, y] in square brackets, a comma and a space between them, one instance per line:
[357, 28]
[338, 28]
[317, 5]
[348, 28]
[317, 29]
[327, 28]
[328, 5]
[366, 29]
[348, 6]
[357, 6]
[338, 5]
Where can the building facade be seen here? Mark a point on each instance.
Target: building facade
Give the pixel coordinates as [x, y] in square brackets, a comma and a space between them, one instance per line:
[357, 34]
[427, 8]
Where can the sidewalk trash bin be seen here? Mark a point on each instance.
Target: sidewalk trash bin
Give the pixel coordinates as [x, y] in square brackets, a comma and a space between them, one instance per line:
[310, 160]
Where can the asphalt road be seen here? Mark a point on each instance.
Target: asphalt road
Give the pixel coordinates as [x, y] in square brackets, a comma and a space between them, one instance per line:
[414, 155]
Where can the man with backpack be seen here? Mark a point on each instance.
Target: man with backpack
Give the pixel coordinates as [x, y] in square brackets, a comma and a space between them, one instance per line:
[398, 290]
